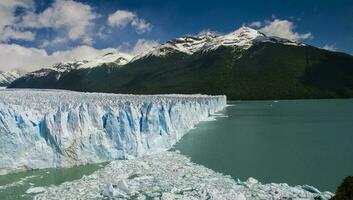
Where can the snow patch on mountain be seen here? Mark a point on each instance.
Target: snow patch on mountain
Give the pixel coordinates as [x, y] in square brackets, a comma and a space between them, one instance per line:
[117, 58]
[7, 77]
[46, 128]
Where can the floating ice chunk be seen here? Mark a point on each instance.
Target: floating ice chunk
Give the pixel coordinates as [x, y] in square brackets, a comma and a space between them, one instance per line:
[168, 196]
[311, 189]
[35, 190]
[122, 185]
[239, 196]
[251, 181]
[22, 181]
[112, 192]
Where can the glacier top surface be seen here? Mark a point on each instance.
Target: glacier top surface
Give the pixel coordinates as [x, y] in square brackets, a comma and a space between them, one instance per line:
[37, 98]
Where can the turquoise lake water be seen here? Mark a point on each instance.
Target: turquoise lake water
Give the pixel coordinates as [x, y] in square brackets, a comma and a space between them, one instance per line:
[14, 186]
[296, 142]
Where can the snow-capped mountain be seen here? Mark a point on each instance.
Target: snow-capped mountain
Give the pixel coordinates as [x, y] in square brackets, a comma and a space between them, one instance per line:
[243, 38]
[7, 77]
[117, 58]
[244, 64]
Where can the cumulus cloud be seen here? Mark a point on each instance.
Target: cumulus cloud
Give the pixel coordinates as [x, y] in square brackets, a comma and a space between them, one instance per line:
[73, 17]
[283, 29]
[72, 22]
[331, 47]
[8, 33]
[52, 43]
[256, 24]
[122, 18]
[139, 47]
[17, 57]
[68, 19]
[8, 28]
[14, 57]
[143, 45]
[208, 31]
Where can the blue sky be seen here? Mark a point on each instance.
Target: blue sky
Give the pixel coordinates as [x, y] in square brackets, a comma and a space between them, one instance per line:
[330, 22]
[66, 29]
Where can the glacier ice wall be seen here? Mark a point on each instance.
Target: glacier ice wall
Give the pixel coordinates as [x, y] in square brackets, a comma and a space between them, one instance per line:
[46, 128]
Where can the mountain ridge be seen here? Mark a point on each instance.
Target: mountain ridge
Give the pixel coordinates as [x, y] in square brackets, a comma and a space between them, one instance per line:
[7, 77]
[243, 37]
[244, 64]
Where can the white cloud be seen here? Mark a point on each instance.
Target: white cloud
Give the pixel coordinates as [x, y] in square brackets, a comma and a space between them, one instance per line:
[208, 31]
[283, 29]
[256, 24]
[87, 41]
[8, 20]
[73, 17]
[330, 47]
[122, 18]
[103, 32]
[70, 21]
[143, 45]
[7, 9]
[13, 56]
[80, 53]
[11, 33]
[52, 43]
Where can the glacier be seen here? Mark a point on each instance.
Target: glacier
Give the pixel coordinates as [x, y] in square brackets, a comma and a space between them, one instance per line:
[57, 128]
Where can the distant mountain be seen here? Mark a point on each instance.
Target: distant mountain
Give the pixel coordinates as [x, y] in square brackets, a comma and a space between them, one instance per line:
[242, 38]
[7, 77]
[244, 64]
[65, 67]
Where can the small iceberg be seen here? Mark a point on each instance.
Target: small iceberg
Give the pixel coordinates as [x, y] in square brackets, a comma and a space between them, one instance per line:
[35, 190]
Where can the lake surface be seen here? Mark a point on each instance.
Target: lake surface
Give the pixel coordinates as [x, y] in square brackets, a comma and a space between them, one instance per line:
[14, 186]
[295, 142]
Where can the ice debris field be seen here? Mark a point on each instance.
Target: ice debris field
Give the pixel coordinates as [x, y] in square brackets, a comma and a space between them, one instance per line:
[168, 176]
[54, 128]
